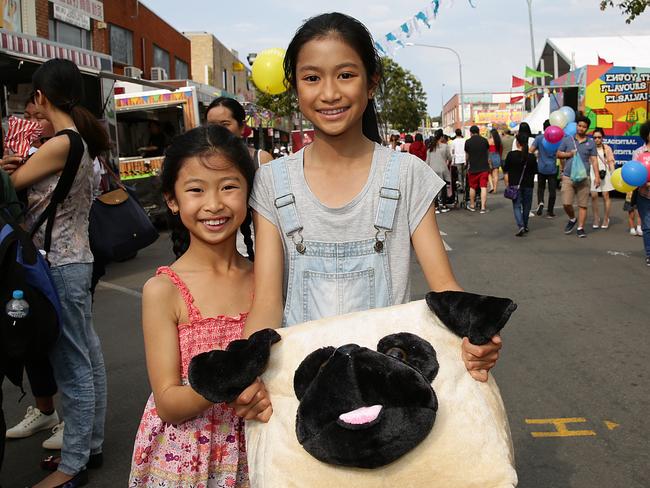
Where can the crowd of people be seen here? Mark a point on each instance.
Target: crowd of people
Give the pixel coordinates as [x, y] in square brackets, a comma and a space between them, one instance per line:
[215, 188]
[476, 163]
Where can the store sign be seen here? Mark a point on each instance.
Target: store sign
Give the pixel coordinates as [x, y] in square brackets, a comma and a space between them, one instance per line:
[72, 16]
[92, 8]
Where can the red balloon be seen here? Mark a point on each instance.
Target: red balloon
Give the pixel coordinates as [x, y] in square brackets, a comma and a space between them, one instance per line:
[644, 159]
[553, 134]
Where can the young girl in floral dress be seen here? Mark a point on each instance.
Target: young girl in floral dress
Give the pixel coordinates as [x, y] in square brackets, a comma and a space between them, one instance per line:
[198, 304]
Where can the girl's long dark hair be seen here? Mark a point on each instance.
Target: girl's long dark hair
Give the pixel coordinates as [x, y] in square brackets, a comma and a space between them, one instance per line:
[497, 140]
[524, 128]
[522, 139]
[353, 33]
[203, 141]
[62, 84]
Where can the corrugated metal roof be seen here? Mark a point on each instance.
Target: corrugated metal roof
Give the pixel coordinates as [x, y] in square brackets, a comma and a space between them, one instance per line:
[620, 50]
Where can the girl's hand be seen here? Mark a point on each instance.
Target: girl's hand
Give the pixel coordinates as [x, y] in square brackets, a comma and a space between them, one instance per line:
[254, 403]
[10, 163]
[480, 359]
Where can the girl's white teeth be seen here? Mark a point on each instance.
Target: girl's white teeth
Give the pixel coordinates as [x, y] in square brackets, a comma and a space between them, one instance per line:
[332, 112]
[215, 222]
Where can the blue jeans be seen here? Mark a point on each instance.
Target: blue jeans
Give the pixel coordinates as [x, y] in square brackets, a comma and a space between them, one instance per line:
[78, 369]
[521, 206]
[643, 205]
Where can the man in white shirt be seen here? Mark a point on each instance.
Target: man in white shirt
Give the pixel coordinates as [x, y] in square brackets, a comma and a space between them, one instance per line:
[458, 169]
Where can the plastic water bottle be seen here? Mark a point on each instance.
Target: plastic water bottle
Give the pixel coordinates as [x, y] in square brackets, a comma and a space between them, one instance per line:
[17, 308]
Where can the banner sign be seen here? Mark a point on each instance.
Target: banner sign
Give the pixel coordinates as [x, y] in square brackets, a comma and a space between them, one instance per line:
[72, 16]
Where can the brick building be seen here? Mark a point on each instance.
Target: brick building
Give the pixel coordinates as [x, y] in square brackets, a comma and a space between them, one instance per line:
[215, 65]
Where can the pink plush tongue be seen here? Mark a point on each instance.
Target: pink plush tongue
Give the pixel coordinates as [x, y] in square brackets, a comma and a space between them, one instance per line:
[361, 415]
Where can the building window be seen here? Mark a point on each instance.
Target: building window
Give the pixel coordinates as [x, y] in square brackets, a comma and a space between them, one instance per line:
[69, 34]
[161, 58]
[181, 69]
[234, 83]
[224, 79]
[121, 45]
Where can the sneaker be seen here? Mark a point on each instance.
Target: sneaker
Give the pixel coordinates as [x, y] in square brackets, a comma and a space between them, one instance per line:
[526, 230]
[568, 228]
[34, 421]
[632, 231]
[550, 215]
[639, 231]
[540, 209]
[471, 209]
[581, 233]
[437, 211]
[532, 213]
[55, 441]
[520, 232]
[483, 210]
[445, 209]
[647, 261]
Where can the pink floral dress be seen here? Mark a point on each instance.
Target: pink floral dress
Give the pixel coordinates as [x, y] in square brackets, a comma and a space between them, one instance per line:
[207, 451]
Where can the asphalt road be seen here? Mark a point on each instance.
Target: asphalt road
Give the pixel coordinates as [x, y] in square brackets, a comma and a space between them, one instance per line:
[573, 373]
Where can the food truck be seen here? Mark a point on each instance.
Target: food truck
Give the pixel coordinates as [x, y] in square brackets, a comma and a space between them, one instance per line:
[174, 111]
[614, 98]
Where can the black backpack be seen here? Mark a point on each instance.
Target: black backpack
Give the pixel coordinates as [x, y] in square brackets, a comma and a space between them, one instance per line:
[23, 267]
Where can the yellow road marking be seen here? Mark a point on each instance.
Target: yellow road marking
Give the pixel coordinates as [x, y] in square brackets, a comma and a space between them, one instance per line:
[561, 429]
[611, 425]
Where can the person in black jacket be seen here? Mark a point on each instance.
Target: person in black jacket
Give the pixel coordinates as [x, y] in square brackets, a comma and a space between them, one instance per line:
[519, 170]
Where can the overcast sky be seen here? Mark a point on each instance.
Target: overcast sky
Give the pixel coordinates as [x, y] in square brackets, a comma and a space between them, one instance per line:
[493, 38]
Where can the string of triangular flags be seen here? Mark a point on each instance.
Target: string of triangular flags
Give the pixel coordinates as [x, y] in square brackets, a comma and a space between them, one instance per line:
[395, 39]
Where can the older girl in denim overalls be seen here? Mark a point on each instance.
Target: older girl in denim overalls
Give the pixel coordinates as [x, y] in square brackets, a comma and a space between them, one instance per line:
[334, 68]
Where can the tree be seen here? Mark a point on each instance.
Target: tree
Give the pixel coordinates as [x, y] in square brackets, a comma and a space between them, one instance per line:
[631, 8]
[281, 105]
[401, 102]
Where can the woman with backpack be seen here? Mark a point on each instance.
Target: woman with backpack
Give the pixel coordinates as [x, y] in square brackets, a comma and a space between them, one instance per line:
[76, 357]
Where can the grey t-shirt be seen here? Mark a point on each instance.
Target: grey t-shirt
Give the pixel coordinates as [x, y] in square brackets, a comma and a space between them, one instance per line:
[586, 149]
[355, 221]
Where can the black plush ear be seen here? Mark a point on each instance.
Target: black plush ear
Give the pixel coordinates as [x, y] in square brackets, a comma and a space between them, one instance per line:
[412, 350]
[220, 376]
[477, 317]
[309, 368]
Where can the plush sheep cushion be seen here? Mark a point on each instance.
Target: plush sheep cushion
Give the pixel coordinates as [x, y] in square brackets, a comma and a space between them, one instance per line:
[469, 446]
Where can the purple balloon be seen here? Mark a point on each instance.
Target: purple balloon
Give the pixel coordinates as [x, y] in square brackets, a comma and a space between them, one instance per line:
[553, 134]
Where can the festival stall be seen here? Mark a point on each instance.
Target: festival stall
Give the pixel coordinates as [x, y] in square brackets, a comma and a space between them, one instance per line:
[614, 98]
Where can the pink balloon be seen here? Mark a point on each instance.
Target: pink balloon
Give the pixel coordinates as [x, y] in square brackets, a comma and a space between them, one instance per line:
[644, 159]
[553, 134]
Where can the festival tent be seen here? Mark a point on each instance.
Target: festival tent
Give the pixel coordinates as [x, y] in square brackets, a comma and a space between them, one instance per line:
[539, 114]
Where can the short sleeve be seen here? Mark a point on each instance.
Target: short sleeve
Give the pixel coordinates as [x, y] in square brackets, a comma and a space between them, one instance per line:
[592, 149]
[564, 145]
[421, 187]
[537, 143]
[466, 144]
[262, 197]
[506, 164]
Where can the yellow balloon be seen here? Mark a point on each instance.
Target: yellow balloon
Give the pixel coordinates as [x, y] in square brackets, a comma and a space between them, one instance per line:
[619, 184]
[268, 71]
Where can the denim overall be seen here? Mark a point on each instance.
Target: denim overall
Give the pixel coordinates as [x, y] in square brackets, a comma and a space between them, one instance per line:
[333, 278]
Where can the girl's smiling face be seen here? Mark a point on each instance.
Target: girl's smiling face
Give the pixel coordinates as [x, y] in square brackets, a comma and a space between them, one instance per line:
[210, 194]
[332, 85]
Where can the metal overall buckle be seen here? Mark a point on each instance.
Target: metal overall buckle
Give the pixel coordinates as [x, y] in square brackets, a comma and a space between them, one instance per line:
[298, 244]
[379, 242]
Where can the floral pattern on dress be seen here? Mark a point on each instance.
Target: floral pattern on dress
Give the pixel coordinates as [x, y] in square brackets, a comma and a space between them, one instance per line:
[208, 451]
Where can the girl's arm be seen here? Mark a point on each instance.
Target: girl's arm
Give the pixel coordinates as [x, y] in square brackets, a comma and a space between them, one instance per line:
[48, 160]
[267, 308]
[432, 256]
[175, 402]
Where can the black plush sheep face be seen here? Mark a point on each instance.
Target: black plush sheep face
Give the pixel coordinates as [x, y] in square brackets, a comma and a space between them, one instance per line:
[366, 408]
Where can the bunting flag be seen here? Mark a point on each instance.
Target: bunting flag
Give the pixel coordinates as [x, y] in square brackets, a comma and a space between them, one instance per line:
[603, 62]
[395, 39]
[516, 99]
[531, 73]
[529, 86]
[516, 82]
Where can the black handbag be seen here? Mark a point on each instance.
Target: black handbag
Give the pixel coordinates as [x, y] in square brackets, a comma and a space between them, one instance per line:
[118, 225]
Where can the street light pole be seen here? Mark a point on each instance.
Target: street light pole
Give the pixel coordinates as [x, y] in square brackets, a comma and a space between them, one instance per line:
[460, 74]
[532, 40]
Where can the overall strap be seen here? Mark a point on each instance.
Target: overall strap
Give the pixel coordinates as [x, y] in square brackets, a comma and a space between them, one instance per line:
[285, 201]
[389, 194]
[63, 186]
